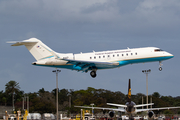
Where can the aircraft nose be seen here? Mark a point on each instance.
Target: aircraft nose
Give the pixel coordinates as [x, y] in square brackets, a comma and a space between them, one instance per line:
[170, 55]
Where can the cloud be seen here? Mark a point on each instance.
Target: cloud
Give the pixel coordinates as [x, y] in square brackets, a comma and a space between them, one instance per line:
[83, 26]
[125, 15]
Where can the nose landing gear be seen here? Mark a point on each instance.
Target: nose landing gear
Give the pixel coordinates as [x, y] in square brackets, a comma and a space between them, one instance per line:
[160, 68]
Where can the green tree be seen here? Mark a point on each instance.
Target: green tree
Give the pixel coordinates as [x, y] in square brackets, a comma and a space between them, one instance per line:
[156, 94]
[168, 112]
[42, 102]
[12, 87]
[4, 100]
[41, 91]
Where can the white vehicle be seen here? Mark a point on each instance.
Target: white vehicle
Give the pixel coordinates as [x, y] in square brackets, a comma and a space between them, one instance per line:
[12, 117]
[92, 61]
[48, 116]
[35, 116]
[124, 117]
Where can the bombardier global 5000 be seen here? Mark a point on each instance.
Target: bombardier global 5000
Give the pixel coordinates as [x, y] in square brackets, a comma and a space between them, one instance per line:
[92, 61]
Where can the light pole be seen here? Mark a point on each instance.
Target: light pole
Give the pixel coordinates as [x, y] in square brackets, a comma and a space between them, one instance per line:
[56, 71]
[69, 105]
[13, 102]
[146, 72]
[92, 108]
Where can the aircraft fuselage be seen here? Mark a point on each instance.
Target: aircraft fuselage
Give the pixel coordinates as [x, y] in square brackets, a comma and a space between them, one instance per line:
[123, 57]
[92, 61]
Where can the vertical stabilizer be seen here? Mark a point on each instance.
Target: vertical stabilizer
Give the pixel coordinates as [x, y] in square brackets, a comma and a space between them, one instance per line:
[129, 91]
[38, 49]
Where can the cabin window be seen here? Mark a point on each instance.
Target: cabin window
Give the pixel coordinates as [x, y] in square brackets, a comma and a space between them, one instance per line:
[122, 54]
[131, 53]
[108, 55]
[103, 56]
[90, 57]
[136, 53]
[127, 54]
[99, 56]
[117, 55]
[94, 57]
[113, 55]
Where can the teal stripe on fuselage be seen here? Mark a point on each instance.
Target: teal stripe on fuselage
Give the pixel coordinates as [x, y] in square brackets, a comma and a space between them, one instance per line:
[125, 62]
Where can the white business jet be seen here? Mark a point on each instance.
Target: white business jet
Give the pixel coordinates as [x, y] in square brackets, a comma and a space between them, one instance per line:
[92, 61]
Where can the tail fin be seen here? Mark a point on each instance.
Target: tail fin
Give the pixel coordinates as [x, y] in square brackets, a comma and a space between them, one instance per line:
[129, 91]
[38, 49]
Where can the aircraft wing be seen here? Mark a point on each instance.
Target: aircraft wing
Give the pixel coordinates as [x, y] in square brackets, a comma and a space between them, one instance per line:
[85, 65]
[112, 109]
[164, 108]
[118, 105]
[141, 110]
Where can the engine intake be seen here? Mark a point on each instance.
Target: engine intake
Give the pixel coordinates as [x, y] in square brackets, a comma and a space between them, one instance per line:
[150, 114]
[111, 114]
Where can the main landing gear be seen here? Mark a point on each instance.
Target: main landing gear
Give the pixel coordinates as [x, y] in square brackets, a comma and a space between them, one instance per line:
[93, 74]
[160, 68]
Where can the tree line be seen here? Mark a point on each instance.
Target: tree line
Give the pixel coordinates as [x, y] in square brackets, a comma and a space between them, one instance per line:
[45, 102]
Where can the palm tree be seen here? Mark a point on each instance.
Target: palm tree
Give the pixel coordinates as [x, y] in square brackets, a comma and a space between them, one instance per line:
[11, 88]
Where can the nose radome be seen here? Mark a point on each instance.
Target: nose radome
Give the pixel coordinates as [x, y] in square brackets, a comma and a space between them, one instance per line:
[170, 55]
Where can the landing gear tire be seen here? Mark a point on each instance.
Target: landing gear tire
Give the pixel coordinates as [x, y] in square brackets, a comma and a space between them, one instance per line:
[160, 68]
[93, 74]
[160, 64]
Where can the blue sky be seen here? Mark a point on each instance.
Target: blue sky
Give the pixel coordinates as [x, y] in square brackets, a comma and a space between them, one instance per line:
[83, 26]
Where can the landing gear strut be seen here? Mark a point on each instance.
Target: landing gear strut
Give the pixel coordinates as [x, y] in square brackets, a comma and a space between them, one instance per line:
[160, 68]
[93, 74]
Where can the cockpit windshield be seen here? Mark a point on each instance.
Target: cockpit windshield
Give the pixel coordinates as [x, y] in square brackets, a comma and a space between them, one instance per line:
[158, 50]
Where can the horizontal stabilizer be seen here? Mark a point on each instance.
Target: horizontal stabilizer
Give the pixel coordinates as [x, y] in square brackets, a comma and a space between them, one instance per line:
[118, 105]
[143, 105]
[25, 42]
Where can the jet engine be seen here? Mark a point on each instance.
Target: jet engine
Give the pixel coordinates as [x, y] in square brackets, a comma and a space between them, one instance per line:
[111, 114]
[150, 114]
